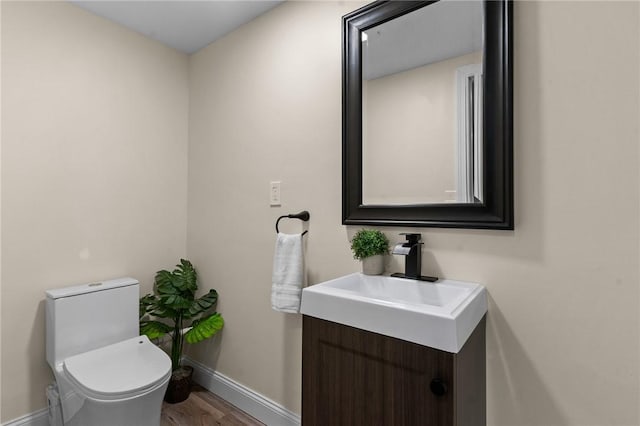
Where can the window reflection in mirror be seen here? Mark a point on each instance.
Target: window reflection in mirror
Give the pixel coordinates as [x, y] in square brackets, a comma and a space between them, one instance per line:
[421, 106]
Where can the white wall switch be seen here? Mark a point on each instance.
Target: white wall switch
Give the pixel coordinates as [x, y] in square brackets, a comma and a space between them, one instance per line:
[274, 193]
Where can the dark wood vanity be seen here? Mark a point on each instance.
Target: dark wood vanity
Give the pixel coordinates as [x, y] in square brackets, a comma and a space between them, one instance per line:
[356, 377]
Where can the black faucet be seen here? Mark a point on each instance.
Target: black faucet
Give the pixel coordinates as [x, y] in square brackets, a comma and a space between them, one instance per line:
[412, 250]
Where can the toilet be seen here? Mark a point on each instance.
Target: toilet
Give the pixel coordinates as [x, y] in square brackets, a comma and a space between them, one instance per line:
[106, 373]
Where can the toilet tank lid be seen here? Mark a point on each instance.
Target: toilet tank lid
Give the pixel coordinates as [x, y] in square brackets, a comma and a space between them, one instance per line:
[91, 287]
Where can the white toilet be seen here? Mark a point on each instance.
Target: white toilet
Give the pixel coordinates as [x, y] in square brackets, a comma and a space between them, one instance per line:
[107, 375]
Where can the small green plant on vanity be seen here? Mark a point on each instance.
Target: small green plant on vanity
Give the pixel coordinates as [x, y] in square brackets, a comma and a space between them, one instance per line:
[369, 242]
[175, 303]
[370, 246]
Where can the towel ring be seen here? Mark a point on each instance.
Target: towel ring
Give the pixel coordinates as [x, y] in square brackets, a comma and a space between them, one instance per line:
[303, 215]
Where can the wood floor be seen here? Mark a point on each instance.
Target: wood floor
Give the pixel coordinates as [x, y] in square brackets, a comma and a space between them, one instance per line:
[204, 409]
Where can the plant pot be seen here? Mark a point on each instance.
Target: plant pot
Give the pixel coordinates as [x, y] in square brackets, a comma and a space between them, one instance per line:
[179, 385]
[373, 265]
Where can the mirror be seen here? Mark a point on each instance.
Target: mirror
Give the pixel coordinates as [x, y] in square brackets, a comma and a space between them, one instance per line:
[427, 120]
[419, 105]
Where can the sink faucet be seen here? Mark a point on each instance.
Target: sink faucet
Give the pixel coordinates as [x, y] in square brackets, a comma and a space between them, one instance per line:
[412, 250]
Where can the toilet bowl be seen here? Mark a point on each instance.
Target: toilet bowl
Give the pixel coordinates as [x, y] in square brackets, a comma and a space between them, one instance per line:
[106, 374]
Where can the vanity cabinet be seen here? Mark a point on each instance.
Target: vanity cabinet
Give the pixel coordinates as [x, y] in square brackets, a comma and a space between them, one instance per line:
[356, 377]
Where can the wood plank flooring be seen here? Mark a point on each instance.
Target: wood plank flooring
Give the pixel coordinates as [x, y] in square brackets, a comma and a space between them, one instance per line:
[204, 409]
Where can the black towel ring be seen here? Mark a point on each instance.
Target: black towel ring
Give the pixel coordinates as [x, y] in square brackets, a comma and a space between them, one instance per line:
[303, 215]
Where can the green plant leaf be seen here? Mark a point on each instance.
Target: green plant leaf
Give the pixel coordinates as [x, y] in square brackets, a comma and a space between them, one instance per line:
[147, 303]
[164, 312]
[154, 329]
[204, 328]
[164, 280]
[202, 304]
[188, 276]
[182, 280]
[369, 242]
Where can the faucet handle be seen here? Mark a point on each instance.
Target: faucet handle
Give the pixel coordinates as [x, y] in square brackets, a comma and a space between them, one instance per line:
[412, 238]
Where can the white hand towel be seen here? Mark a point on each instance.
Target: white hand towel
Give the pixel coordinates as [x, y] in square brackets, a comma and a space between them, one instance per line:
[288, 267]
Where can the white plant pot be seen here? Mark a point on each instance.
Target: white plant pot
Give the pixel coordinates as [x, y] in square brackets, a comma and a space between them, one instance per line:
[373, 265]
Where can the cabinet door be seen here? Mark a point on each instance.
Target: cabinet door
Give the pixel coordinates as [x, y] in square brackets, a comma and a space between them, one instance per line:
[355, 377]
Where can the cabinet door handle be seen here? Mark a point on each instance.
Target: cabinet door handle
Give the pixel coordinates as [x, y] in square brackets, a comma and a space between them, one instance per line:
[438, 387]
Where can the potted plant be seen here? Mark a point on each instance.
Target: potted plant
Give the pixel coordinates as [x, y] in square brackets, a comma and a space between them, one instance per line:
[174, 302]
[370, 246]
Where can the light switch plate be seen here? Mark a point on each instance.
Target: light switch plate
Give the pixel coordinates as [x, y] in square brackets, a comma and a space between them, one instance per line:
[274, 193]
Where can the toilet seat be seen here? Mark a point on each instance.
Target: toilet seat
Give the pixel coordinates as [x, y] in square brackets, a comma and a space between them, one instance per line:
[119, 371]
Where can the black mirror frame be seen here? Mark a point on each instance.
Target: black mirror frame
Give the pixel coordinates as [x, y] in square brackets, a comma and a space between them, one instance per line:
[496, 212]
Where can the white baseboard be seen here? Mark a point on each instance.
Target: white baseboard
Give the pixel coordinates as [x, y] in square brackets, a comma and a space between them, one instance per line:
[251, 402]
[37, 418]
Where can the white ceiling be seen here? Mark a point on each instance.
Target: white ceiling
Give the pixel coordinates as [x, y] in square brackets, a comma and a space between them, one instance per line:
[185, 25]
[442, 30]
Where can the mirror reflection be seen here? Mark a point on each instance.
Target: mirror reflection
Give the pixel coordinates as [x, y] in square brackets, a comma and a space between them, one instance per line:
[422, 106]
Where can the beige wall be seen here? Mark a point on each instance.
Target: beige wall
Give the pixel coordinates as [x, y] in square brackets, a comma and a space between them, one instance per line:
[410, 134]
[94, 170]
[264, 104]
[563, 323]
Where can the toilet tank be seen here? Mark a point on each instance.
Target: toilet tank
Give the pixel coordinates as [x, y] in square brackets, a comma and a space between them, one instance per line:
[89, 316]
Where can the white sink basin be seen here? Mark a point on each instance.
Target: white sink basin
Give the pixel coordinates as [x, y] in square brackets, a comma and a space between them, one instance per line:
[441, 315]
